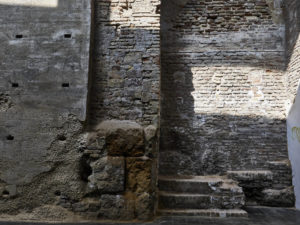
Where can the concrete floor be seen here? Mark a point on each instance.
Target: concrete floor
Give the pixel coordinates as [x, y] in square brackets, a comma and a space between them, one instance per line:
[257, 216]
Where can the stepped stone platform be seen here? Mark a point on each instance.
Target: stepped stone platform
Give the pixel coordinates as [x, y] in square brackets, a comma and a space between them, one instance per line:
[267, 187]
[214, 196]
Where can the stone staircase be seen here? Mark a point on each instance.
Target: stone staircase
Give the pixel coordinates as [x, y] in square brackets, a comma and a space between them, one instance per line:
[216, 196]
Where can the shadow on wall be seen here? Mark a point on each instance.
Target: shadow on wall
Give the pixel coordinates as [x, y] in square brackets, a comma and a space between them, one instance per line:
[223, 90]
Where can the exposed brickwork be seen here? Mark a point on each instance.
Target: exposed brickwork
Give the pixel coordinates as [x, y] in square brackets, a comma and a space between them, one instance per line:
[223, 86]
[126, 61]
[214, 16]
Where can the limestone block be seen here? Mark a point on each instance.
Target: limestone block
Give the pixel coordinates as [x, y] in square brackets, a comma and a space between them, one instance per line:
[150, 132]
[108, 174]
[122, 137]
[138, 174]
[151, 141]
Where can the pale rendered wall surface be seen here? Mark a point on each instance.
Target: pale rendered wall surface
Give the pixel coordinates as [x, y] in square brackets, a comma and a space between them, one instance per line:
[44, 62]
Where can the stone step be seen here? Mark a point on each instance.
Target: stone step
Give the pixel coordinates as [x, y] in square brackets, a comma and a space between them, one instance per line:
[252, 178]
[203, 212]
[169, 200]
[282, 173]
[198, 184]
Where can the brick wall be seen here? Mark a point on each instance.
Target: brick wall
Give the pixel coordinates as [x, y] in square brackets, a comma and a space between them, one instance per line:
[126, 72]
[223, 91]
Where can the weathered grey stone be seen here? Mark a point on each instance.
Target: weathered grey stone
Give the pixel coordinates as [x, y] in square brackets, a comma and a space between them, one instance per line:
[144, 206]
[116, 207]
[150, 132]
[280, 198]
[252, 179]
[5, 102]
[108, 175]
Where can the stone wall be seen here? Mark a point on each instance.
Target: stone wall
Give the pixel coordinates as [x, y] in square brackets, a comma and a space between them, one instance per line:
[43, 88]
[223, 98]
[106, 169]
[126, 61]
[124, 108]
[223, 86]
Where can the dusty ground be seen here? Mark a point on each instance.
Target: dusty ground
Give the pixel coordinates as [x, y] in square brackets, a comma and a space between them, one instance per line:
[257, 216]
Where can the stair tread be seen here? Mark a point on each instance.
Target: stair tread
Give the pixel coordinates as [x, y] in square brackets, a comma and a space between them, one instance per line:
[250, 172]
[179, 194]
[204, 212]
[203, 179]
[165, 193]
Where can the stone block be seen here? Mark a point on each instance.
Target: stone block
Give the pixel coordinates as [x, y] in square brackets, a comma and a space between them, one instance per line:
[122, 137]
[151, 141]
[278, 198]
[108, 175]
[139, 175]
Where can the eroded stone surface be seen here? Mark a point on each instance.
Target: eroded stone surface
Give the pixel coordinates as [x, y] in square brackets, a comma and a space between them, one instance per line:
[283, 198]
[122, 138]
[139, 174]
[108, 175]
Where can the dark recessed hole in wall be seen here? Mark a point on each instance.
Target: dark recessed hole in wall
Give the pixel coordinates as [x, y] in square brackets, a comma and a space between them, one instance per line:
[5, 192]
[57, 193]
[65, 85]
[10, 137]
[15, 85]
[157, 11]
[68, 35]
[61, 137]
[85, 169]
[19, 36]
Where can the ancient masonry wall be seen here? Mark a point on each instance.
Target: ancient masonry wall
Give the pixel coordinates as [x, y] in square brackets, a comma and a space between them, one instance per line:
[102, 167]
[124, 107]
[223, 98]
[223, 89]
